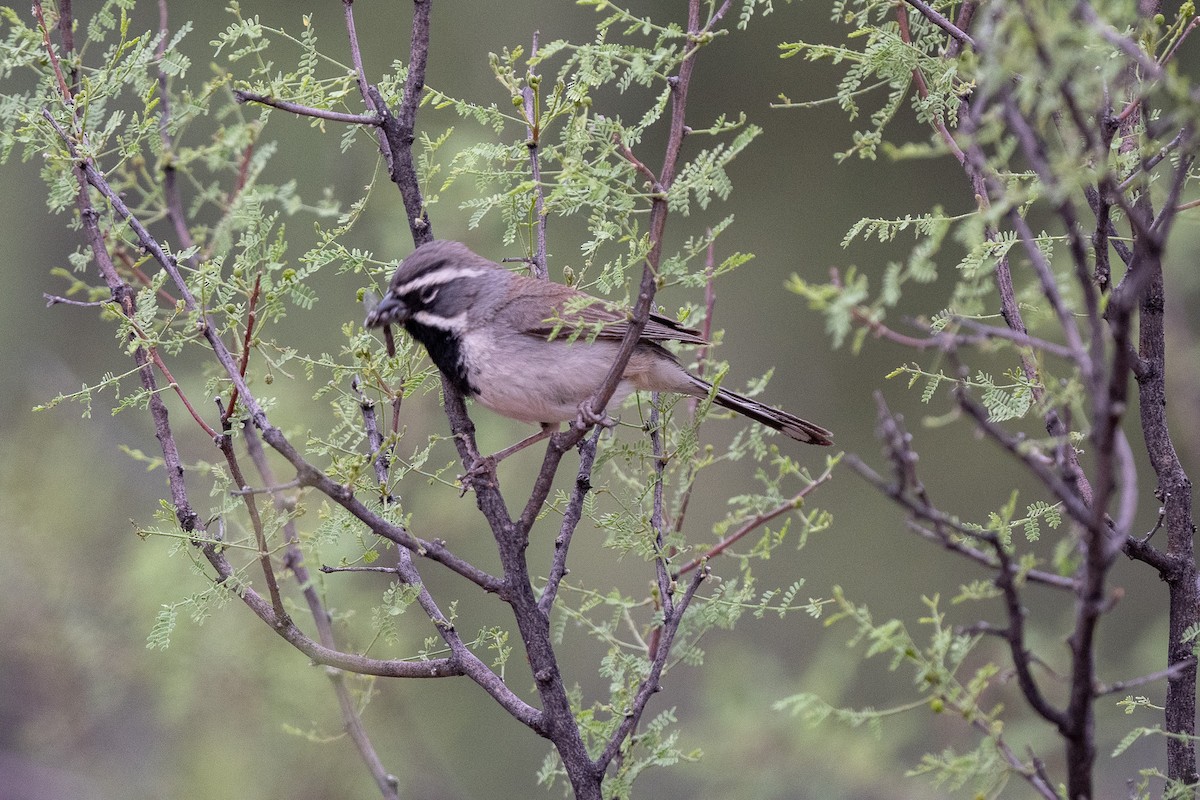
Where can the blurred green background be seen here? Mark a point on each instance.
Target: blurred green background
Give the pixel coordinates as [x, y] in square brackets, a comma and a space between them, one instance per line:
[86, 711]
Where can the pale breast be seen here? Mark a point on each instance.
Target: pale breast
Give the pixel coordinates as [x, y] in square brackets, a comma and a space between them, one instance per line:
[527, 379]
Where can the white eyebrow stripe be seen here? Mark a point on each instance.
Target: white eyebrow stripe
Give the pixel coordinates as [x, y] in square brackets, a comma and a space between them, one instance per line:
[439, 277]
[457, 323]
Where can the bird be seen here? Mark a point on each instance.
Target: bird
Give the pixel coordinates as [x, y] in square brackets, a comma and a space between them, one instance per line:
[534, 350]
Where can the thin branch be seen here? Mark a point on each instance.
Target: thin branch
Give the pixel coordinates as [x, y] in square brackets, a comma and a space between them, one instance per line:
[983, 183]
[407, 572]
[294, 560]
[638, 164]
[919, 77]
[397, 131]
[1018, 648]
[1171, 205]
[943, 521]
[533, 143]
[1150, 163]
[666, 584]
[360, 74]
[659, 210]
[1090, 361]
[571, 517]
[470, 664]
[651, 685]
[225, 444]
[328, 570]
[66, 29]
[1173, 671]
[51, 53]
[247, 341]
[791, 504]
[53, 300]
[937, 19]
[898, 448]
[706, 328]
[380, 456]
[122, 253]
[171, 196]
[1034, 773]
[243, 96]
[351, 662]
[1019, 338]
[1074, 505]
[156, 358]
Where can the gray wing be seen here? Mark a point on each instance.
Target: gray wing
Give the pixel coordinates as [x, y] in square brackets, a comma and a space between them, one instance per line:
[587, 315]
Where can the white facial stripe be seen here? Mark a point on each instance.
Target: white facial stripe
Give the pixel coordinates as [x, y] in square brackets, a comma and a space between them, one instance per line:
[457, 323]
[439, 277]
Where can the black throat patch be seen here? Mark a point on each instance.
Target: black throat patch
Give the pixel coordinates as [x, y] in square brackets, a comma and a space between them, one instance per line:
[445, 351]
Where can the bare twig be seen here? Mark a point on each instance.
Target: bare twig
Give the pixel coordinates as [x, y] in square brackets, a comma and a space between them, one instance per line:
[944, 523]
[171, 195]
[244, 96]
[294, 560]
[937, 19]
[53, 300]
[533, 143]
[225, 444]
[650, 685]
[52, 52]
[571, 517]
[247, 342]
[1170, 672]
[757, 521]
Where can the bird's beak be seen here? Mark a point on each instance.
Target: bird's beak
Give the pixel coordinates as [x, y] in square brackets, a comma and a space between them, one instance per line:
[390, 311]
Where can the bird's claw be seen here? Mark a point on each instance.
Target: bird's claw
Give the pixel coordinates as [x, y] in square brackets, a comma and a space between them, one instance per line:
[588, 417]
[482, 473]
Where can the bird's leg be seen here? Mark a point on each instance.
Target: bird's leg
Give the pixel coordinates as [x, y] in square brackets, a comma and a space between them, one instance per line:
[548, 430]
[486, 465]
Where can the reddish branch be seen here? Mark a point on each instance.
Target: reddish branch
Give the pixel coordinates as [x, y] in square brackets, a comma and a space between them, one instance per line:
[247, 341]
[754, 523]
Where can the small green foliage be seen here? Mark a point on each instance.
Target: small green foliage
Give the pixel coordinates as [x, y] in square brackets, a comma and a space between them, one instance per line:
[139, 116]
[164, 626]
[395, 601]
[942, 680]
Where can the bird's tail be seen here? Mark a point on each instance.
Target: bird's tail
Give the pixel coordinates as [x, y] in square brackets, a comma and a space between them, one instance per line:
[788, 424]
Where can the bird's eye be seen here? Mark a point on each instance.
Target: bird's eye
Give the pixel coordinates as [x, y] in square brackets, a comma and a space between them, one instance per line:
[429, 294]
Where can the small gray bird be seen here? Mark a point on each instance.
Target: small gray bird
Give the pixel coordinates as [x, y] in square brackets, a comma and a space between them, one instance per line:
[504, 339]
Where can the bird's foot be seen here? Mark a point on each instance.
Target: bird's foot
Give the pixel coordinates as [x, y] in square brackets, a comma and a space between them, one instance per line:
[588, 417]
[480, 475]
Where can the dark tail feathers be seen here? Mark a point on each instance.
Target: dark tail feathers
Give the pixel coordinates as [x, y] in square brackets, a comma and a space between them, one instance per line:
[788, 424]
